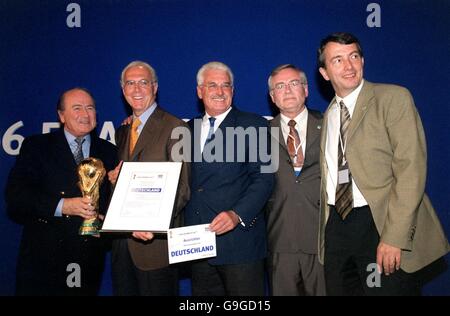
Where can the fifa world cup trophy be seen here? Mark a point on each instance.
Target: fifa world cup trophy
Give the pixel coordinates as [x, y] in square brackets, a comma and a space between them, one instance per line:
[91, 173]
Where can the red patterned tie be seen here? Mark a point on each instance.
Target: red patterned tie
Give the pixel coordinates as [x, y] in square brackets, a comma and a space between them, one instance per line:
[294, 145]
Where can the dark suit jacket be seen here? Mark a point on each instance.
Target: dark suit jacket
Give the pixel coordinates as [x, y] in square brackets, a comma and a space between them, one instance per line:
[155, 145]
[293, 209]
[45, 172]
[238, 186]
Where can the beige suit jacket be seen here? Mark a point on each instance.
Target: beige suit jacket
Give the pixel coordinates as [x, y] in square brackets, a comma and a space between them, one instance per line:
[386, 153]
[155, 144]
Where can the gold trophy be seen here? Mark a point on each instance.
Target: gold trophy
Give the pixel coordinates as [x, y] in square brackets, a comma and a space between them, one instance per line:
[91, 173]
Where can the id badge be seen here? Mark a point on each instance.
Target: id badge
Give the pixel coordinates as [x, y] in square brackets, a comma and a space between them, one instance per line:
[343, 176]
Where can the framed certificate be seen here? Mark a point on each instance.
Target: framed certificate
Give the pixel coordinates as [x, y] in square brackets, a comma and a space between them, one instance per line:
[143, 198]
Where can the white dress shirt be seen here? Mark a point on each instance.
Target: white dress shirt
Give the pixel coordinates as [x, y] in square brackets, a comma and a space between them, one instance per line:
[331, 147]
[205, 126]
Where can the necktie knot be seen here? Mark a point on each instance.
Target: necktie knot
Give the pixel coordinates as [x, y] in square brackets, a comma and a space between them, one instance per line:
[135, 124]
[211, 121]
[292, 123]
[79, 141]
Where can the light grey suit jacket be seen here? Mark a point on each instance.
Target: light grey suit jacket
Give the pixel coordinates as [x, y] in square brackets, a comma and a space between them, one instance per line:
[154, 145]
[293, 209]
[386, 153]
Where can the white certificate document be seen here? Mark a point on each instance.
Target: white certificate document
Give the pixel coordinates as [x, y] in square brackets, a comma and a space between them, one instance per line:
[191, 243]
[143, 198]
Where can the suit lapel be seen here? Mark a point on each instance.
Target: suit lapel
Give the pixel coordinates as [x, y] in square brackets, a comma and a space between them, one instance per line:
[276, 122]
[325, 127]
[363, 103]
[312, 135]
[229, 121]
[94, 150]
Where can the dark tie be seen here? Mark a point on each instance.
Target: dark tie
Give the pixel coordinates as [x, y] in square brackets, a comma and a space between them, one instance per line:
[344, 194]
[210, 136]
[294, 145]
[78, 154]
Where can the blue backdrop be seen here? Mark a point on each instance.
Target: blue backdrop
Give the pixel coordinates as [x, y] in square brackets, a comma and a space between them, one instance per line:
[50, 46]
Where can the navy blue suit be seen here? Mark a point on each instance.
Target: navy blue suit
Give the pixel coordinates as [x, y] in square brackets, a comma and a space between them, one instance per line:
[238, 186]
[45, 172]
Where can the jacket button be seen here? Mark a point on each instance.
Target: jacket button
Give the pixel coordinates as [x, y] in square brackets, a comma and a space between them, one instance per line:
[200, 190]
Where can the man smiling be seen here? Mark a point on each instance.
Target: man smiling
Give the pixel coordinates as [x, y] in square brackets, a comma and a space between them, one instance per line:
[373, 205]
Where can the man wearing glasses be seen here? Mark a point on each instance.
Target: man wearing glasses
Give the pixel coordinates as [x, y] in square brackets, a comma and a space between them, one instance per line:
[229, 195]
[293, 209]
[140, 262]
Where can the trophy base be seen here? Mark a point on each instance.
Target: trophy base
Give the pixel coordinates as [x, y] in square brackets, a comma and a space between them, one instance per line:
[90, 227]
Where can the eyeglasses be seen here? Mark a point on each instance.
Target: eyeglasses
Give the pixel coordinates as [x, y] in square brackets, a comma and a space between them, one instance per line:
[215, 86]
[293, 84]
[143, 83]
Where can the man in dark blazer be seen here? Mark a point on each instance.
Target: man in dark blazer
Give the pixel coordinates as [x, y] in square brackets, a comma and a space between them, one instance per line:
[375, 214]
[293, 209]
[227, 192]
[42, 193]
[140, 261]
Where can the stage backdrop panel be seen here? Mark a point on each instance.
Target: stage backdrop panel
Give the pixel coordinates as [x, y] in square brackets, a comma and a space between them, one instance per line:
[50, 46]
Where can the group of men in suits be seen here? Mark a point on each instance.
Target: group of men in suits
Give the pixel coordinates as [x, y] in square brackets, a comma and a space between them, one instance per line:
[348, 190]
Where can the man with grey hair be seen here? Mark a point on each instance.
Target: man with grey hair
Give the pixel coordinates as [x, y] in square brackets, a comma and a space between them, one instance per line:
[293, 210]
[228, 195]
[140, 262]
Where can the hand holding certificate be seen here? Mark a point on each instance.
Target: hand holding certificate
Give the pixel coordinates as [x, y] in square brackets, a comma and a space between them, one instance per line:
[143, 198]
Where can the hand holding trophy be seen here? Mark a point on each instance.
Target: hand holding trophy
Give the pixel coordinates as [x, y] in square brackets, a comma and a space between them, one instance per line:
[91, 173]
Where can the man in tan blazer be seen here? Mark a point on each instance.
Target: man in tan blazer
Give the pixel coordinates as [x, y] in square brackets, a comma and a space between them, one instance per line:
[373, 163]
[140, 263]
[293, 209]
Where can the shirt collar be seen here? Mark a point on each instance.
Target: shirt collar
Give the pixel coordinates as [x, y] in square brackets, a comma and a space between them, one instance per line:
[146, 115]
[71, 139]
[219, 118]
[350, 100]
[299, 118]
